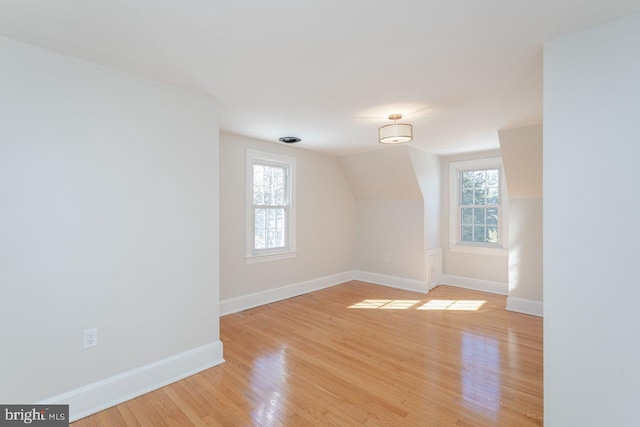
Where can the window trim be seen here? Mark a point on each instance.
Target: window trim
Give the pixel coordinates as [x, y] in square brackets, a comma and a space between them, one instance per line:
[289, 251]
[455, 226]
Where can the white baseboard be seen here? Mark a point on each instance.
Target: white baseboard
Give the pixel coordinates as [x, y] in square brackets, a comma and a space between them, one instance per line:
[109, 392]
[475, 284]
[525, 306]
[393, 281]
[234, 305]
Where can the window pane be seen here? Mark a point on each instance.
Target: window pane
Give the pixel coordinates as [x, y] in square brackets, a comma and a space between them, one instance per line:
[480, 196]
[467, 197]
[467, 179]
[279, 240]
[270, 228]
[268, 173]
[492, 235]
[259, 242]
[467, 233]
[492, 196]
[259, 218]
[478, 179]
[270, 240]
[271, 218]
[492, 178]
[278, 198]
[269, 185]
[467, 215]
[479, 234]
[492, 216]
[258, 195]
[268, 196]
[258, 171]
[278, 174]
[478, 216]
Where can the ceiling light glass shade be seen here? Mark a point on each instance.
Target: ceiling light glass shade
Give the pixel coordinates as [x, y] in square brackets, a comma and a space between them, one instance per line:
[396, 133]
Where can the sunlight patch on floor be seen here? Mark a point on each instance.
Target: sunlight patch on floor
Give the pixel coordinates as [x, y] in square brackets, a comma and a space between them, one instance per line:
[371, 303]
[454, 305]
[434, 304]
[400, 304]
[387, 304]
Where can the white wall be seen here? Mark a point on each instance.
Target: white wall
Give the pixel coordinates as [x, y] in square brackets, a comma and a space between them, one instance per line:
[390, 216]
[109, 219]
[325, 221]
[489, 268]
[521, 149]
[390, 238]
[525, 253]
[428, 171]
[591, 227]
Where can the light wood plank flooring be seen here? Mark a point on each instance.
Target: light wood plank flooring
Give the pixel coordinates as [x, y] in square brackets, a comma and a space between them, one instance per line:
[360, 354]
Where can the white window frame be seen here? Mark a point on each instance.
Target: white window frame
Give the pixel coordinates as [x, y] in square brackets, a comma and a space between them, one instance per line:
[289, 251]
[455, 244]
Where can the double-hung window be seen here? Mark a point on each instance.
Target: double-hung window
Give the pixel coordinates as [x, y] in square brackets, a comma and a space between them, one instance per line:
[270, 213]
[478, 220]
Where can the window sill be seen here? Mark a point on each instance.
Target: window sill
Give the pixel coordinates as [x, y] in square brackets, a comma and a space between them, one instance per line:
[479, 250]
[254, 259]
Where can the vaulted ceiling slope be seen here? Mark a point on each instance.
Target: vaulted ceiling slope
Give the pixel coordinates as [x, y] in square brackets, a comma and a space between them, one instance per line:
[521, 150]
[381, 175]
[329, 71]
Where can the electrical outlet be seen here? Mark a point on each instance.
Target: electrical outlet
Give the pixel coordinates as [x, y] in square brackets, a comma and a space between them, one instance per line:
[386, 258]
[90, 338]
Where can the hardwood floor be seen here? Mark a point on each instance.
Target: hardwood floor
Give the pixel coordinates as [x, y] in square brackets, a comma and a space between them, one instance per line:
[360, 354]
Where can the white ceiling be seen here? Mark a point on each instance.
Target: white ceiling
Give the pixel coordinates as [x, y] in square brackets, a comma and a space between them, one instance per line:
[329, 71]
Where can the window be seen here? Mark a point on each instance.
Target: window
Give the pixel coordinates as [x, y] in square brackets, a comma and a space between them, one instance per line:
[480, 199]
[270, 213]
[478, 220]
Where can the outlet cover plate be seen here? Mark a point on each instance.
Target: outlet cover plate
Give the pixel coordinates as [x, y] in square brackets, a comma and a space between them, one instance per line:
[90, 338]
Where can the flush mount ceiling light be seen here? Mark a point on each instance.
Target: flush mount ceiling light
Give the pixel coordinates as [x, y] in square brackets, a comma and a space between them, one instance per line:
[289, 139]
[397, 133]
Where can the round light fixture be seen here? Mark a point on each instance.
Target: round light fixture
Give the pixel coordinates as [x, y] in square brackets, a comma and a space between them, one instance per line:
[289, 139]
[397, 133]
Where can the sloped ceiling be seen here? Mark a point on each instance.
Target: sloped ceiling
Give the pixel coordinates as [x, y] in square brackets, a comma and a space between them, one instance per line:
[329, 72]
[522, 160]
[381, 175]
